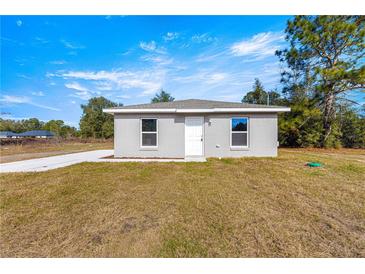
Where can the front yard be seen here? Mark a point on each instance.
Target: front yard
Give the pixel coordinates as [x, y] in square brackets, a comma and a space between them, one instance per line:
[250, 207]
[45, 148]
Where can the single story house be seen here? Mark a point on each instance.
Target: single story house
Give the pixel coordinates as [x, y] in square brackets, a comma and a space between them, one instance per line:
[195, 128]
[36, 134]
[8, 134]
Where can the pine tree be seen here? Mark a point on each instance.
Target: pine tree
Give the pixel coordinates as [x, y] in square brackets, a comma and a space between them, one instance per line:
[326, 51]
[163, 96]
[257, 96]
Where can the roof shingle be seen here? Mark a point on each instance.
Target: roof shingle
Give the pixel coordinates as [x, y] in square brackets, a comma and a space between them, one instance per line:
[195, 104]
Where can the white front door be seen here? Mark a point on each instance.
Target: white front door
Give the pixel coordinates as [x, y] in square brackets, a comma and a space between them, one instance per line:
[194, 136]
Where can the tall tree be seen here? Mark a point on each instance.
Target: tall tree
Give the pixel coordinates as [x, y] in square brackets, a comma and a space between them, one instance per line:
[60, 129]
[162, 96]
[54, 126]
[329, 52]
[301, 126]
[32, 124]
[352, 126]
[274, 98]
[257, 96]
[94, 122]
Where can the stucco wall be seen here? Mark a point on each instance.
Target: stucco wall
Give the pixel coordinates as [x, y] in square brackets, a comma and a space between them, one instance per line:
[171, 127]
[262, 132]
[170, 136]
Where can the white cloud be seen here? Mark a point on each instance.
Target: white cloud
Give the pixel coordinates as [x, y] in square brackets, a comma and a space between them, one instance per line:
[124, 96]
[126, 52]
[170, 36]
[76, 86]
[81, 91]
[58, 62]
[184, 45]
[19, 23]
[50, 74]
[260, 45]
[216, 78]
[11, 41]
[151, 47]
[44, 106]
[10, 99]
[213, 71]
[37, 93]
[203, 38]
[157, 59]
[234, 97]
[148, 46]
[40, 40]
[23, 76]
[91, 75]
[71, 45]
[103, 85]
[206, 77]
[23, 61]
[83, 95]
[149, 81]
[73, 102]
[271, 69]
[208, 57]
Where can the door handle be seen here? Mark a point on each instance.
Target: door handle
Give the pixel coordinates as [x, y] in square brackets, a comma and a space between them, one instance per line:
[201, 139]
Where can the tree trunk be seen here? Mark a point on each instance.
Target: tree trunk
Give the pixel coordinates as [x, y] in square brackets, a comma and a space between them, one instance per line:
[328, 116]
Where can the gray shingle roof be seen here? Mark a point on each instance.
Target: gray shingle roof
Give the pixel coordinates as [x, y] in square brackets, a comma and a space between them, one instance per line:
[8, 133]
[195, 104]
[34, 133]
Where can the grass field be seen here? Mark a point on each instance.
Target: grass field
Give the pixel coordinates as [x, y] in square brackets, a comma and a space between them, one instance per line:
[250, 207]
[11, 153]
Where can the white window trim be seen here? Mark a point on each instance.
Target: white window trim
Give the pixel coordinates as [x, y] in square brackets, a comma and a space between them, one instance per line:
[141, 133]
[247, 132]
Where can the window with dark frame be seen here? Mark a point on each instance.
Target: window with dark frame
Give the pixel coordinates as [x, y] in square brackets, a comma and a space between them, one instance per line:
[149, 132]
[239, 132]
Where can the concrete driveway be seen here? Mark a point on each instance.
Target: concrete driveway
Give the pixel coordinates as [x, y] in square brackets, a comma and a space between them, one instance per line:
[47, 163]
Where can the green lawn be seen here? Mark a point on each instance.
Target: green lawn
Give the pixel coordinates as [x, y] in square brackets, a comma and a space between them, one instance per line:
[249, 207]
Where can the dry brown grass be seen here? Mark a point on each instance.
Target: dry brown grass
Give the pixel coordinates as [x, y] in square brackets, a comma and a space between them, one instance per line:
[251, 207]
[44, 148]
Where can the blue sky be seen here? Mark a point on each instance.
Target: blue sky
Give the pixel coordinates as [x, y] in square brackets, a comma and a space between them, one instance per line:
[52, 64]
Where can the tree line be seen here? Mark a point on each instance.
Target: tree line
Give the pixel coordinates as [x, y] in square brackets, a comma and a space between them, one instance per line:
[303, 125]
[324, 61]
[58, 127]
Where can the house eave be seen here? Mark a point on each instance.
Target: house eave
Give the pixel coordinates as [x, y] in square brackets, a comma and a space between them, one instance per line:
[211, 110]
[135, 110]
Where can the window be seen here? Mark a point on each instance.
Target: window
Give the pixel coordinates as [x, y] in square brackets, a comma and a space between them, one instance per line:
[148, 133]
[239, 132]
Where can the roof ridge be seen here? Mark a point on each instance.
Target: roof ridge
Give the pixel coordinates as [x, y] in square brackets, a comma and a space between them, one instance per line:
[196, 104]
[196, 100]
